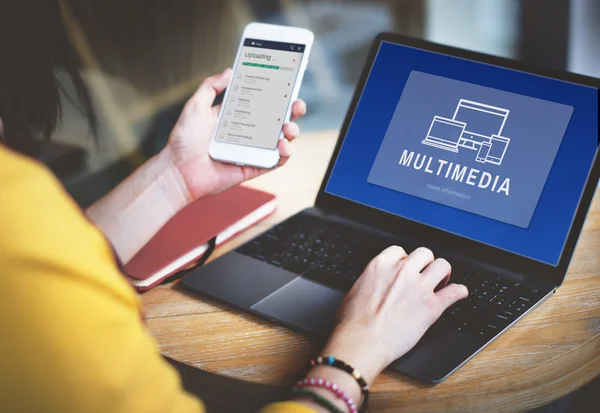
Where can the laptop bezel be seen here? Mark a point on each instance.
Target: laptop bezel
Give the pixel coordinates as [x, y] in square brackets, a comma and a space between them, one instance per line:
[437, 238]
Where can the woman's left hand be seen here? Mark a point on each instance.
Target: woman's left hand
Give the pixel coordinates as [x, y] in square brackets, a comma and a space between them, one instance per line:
[189, 142]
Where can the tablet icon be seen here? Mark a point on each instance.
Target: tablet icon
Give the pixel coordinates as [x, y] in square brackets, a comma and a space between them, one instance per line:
[474, 126]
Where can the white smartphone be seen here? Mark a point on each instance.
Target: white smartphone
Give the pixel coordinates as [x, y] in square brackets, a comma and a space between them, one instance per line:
[267, 74]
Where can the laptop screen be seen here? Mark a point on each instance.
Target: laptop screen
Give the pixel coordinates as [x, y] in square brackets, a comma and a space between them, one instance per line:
[489, 153]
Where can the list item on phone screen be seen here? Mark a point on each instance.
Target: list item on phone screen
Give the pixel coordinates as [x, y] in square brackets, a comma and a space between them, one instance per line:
[259, 95]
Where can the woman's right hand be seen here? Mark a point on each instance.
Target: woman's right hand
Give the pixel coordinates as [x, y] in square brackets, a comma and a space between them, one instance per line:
[390, 307]
[384, 315]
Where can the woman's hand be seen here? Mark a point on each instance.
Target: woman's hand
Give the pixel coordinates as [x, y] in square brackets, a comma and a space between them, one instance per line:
[189, 143]
[390, 307]
[132, 213]
[384, 315]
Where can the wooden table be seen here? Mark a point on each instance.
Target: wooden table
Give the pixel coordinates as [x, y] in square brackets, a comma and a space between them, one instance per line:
[552, 352]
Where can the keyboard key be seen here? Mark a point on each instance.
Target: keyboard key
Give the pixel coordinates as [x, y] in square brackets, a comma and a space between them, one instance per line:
[473, 291]
[488, 330]
[297, 266]
[249, 248]
[320, 275]
[288, 257]
[464, 326]
[512, 305]
[271, 236]
[510, 315]
[454, 310]
[501, 319]
[521, 308]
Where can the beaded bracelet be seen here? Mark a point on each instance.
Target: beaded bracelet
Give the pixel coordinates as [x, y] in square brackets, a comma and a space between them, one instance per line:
[317, 398]
[332, 387]
[339, 364]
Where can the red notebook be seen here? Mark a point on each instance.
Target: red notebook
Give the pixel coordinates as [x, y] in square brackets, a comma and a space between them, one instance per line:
[184, 239]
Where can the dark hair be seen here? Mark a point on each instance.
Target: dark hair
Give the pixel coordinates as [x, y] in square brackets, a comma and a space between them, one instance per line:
[33, 46]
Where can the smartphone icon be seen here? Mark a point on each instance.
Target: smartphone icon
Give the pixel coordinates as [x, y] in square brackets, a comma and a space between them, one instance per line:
[484, 150]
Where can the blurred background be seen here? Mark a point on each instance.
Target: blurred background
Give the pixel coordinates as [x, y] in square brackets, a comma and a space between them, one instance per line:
[143, 58]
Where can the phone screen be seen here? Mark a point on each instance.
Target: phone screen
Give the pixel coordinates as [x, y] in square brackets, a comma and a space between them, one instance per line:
[260, 93]
[484, 150]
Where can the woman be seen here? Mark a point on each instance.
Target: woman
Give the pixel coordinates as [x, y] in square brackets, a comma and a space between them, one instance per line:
[71, 332]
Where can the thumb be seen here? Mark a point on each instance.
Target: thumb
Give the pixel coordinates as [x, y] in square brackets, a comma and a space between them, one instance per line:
[211, 87]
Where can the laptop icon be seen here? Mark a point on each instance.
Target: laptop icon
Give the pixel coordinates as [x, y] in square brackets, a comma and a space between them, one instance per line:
[445, 134]
[474, 173]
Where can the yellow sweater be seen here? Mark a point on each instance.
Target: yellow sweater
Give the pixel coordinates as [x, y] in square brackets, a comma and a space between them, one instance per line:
[71, 335]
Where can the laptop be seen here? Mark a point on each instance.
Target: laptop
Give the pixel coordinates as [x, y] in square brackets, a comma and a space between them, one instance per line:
[504, 203]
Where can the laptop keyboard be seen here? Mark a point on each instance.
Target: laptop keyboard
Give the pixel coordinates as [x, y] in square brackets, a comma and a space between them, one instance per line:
[336, 255]
[493, 303]
[323, 251]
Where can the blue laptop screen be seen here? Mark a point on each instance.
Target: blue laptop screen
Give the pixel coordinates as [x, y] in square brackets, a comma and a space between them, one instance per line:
[492, 154]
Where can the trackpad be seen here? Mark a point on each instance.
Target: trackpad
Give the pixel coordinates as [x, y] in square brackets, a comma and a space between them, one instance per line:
[304, 305]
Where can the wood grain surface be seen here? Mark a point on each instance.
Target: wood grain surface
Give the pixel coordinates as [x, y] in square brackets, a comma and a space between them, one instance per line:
[550, 353]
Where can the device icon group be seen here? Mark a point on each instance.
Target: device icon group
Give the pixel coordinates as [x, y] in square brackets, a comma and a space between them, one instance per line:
[474, 126]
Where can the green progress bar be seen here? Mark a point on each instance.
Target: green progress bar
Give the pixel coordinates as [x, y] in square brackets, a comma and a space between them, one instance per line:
[260, 65]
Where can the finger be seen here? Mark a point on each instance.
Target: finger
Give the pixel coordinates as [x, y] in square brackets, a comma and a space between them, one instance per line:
[285, 150]
[451, 294]
[419, 259]
[211, 87]
[387, 264]
[381, 272]
[298, 109]
[436, 272]
[394, 251]
[442, 284]
[251, 172]
[291, 131]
